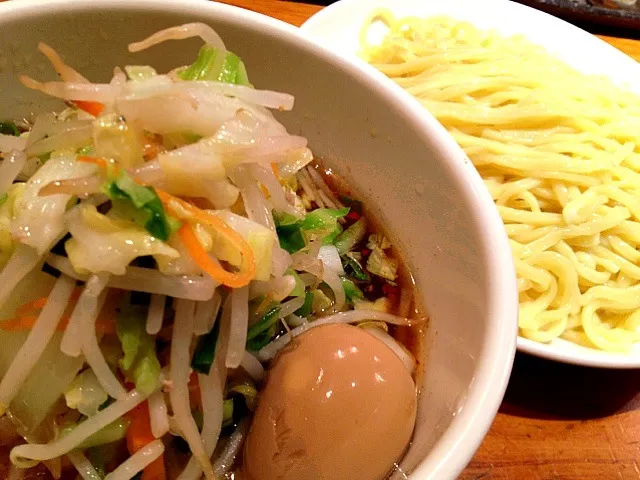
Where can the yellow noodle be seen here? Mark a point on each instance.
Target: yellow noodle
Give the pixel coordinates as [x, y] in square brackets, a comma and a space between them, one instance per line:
[559, 153]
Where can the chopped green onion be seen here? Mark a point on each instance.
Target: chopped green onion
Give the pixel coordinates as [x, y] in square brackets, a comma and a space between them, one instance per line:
[113, 432]
[321, 223]
[3, 198]
[307, 306]
[298, 290]
[354, 269]
[139, 72]
[351, 236]
[142, 204]
[227, 413]
[288, 230]
[87, 150]
[321, 302]
[9, 128]
[323, 218]
[249, 393]
[261, 332]
[351, 291]
[332, 236]
[206, 350]
[262, 339]
[233, 69]
[100, 457]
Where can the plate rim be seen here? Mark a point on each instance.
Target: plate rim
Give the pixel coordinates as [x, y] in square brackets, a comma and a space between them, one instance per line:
[627, 66]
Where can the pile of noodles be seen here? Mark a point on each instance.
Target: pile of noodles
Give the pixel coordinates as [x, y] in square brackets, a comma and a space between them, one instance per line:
[559, 152]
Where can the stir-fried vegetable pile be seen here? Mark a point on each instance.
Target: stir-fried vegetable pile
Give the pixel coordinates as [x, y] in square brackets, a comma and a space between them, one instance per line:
[161, 239]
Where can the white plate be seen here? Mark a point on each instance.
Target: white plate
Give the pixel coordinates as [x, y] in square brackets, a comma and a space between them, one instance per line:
[338, 27]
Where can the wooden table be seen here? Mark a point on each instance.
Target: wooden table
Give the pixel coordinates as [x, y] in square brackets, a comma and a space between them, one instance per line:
[557, 422]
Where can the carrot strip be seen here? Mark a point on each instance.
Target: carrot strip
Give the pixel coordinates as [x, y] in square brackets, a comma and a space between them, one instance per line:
[195, 397]
[138, 436]
[275, 169]
[204, 261]
[101, 162]
[94, 108]
[31, 306]
[19, 324]
[104, 325]
[231, 279]
[40, 302]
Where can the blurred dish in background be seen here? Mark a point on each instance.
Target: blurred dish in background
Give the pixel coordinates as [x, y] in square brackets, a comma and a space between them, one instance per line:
[603, 13]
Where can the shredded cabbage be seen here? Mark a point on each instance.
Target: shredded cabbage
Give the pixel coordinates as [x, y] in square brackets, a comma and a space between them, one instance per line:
[381, 304]
[260, 239]
[139, 362]
[141, 205]
[378, 262]
[39, 221]
[103, 244]
[7, 211]
[116, 139]
[85, 393]
[320, 301]
[139, 72]
[233, 69]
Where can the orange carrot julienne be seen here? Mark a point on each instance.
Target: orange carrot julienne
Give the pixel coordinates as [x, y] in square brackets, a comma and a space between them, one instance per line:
[94, 108]
[138, 436]
[19, 324]
[207, 264]
[101, 162]
[231, 279]
[234, 280]
[31, 306]
[195, 397]
[275, 169]
[40, 302]
[104, 325]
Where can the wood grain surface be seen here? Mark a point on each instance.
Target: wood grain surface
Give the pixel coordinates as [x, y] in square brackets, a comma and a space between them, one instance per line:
[557, 422]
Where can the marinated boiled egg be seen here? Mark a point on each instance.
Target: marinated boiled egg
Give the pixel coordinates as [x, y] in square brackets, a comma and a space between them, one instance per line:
[338, 404]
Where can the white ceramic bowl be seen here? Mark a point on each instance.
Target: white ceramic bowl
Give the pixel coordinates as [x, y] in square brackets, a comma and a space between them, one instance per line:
[402, 162]
[338, 28]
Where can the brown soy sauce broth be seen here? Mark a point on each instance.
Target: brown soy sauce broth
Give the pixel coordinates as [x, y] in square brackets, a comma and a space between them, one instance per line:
[409, 306]
[411, 337]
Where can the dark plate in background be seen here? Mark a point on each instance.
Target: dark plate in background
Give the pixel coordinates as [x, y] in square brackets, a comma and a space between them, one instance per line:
[612, 17]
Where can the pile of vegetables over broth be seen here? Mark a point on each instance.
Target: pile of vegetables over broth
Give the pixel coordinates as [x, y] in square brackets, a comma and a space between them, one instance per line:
[162, 238]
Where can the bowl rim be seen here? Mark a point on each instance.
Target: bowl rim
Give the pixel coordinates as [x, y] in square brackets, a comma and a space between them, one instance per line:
[450, 455]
